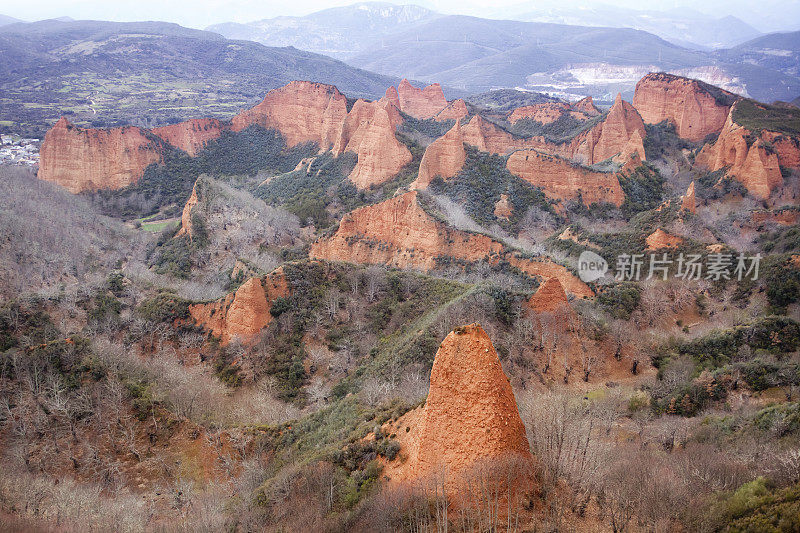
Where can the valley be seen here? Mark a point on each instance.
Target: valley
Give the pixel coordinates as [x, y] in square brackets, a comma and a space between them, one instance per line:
[254, 288]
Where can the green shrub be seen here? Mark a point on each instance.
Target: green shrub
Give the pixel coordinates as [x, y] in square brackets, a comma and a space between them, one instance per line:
[757, 507]
[280, 305]
[620, 300]
[165, 307]
[480, 183]
[104, 307]
[643, 188]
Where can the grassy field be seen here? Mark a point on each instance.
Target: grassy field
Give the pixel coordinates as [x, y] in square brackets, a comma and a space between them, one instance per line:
[157, 226]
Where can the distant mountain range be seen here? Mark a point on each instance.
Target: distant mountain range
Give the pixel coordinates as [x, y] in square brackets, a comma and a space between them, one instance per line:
[679, 26]
[477, 54]
[148, 73]
[340, 32]
[4, 19]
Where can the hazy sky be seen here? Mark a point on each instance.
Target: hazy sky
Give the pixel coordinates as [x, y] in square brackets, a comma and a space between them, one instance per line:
[766, 15]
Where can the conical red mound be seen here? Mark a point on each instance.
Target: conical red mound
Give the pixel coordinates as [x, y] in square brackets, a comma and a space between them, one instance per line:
[471, 413]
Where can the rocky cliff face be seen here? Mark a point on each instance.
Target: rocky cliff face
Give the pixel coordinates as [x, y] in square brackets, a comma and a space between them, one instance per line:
[545, 113]
[186, 215]
[610, 137]
[693, 107]
[586, 106]
[380, 154]
[470, 413]
[660, 239]
[549, 298]
[443, 157]
[546, 269]
[302, 111]
[787, 148]
[487, 137]
[455, 110]
[745, 156]
[191, 136]
[245, 312]
[688, 200]
[81, 159]
[398, 232]
[420, 103]
[563, 180]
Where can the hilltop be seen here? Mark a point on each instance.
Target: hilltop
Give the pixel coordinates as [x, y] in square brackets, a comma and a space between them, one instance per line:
[147, 73]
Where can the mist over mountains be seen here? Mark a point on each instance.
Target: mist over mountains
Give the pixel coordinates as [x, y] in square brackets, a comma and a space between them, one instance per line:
[598, 50]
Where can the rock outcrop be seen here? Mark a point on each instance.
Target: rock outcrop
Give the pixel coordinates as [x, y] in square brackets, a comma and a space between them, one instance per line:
[81, 159]
[245, 312]
[503, 208]
[610, 137]
[688, 200]
[380, 155]
[549, 298]
[745, 156]
[398, 232]
[420, 103]
[186, 215]
[443, 157]
[302, 111]
[786, 147]
[787, 216]
[191, 136]
[563, 180]
[586, 106]
[696, 109]
[455, 110]
[470, 413]
[488, 137]
[549, 112]
[545, 113]
[660, 239]
[546, 269]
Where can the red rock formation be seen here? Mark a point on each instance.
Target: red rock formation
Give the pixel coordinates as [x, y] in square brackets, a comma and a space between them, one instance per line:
[661, 239]
[545, 113]
[302, 111]
[455, 110]
[186, 215]
[443, 157]
[747, 160]
[549, 298]
[420, 103]
[586, 106]
[549, 112]
[786, 147]
[563, 180]
[488, 137]
[245, 312]
[503, 208]
[398, 232]
[544, 268]
[688, 199]
[608, 138]
[392, 96]
[788, 216]
[470, 413]
[380, 155]
[632, 154]
[191, 136]
[360, 117]
[695, 108]
[81, 159]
